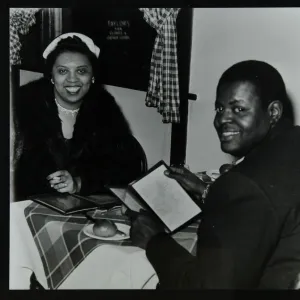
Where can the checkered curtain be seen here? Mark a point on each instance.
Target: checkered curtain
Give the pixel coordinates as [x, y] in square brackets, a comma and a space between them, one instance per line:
[163, 87]
[21, 19]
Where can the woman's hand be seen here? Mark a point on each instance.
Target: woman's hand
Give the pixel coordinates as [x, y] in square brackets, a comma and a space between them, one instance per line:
[143, 228]
[189, 181]
[63, 182]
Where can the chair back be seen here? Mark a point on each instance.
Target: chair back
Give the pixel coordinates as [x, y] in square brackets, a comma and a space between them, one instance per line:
[141, 153]
[297, 282]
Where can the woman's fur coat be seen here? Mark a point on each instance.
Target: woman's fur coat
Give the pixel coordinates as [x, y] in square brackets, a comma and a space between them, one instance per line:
[102, 150]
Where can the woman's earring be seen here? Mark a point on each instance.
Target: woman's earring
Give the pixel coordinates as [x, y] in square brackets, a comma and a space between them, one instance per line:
[52, 81]
[93, 80]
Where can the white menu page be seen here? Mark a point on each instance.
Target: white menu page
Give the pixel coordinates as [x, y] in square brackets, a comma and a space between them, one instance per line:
[166, 198]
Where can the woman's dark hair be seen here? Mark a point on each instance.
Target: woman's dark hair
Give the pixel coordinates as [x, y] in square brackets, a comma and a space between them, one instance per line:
[70, 44]
[267, 80]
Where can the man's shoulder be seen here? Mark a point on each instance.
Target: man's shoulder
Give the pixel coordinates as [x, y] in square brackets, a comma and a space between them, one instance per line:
[290, 135]
[280, 152]
[276, 169]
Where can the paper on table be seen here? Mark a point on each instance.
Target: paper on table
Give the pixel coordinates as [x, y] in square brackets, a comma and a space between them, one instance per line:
[166, 198]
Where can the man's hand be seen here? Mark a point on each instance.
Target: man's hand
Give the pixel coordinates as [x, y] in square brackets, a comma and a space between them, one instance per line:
[143, 228]
[63, 182]
[189, 181]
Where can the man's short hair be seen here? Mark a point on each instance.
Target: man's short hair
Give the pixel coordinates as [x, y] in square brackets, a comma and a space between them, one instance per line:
[267, 80]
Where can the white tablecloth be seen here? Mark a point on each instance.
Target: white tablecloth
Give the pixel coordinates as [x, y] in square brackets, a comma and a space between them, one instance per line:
[107, 267]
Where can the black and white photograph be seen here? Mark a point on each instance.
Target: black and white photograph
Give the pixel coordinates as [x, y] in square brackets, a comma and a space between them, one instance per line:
[154, 148]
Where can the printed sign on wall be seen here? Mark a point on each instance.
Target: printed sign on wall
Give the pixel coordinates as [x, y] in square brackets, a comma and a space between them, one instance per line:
[118, 30]
[126, 42]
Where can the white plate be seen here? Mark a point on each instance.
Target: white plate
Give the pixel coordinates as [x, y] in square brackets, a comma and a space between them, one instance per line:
[88, 230]
[214, 174]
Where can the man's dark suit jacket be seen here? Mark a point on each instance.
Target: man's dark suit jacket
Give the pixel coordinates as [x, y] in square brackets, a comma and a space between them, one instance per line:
[249, 236]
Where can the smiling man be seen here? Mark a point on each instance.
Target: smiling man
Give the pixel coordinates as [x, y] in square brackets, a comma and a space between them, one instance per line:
[247, 106]
[249, 235]
[240, 120]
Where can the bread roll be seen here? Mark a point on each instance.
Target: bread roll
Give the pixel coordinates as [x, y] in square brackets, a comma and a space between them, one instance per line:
[105, 228]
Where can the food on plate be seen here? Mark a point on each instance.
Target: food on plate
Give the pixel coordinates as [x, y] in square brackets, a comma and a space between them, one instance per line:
[105, 228]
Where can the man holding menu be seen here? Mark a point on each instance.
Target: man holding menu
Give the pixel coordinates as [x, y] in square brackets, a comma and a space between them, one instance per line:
[249, 235]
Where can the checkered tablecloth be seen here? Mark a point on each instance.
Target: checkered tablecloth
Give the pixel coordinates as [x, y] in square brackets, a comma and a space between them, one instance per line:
[62, 244]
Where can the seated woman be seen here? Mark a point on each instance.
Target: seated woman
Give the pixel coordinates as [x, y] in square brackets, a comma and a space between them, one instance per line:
[249, 235]
[75, 137]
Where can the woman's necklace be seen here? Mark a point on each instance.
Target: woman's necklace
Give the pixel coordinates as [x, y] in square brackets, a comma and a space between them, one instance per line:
[66, 111]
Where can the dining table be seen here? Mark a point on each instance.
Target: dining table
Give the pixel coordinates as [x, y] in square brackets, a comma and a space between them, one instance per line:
[54, 249]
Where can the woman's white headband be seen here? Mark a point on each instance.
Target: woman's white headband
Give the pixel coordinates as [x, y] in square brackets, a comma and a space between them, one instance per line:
[88, 41]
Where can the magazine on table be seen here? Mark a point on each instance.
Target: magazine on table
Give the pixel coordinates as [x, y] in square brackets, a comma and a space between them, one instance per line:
[67, 204]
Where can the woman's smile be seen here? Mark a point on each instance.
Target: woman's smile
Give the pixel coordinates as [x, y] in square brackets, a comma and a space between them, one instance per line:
[73, 90]
[72, 76]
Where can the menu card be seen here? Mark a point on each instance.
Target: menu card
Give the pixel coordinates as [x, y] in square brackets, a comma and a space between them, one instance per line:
[162, 195]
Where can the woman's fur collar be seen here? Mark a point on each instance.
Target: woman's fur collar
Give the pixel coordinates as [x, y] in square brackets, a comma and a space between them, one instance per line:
[39, 123]
[98, 109]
